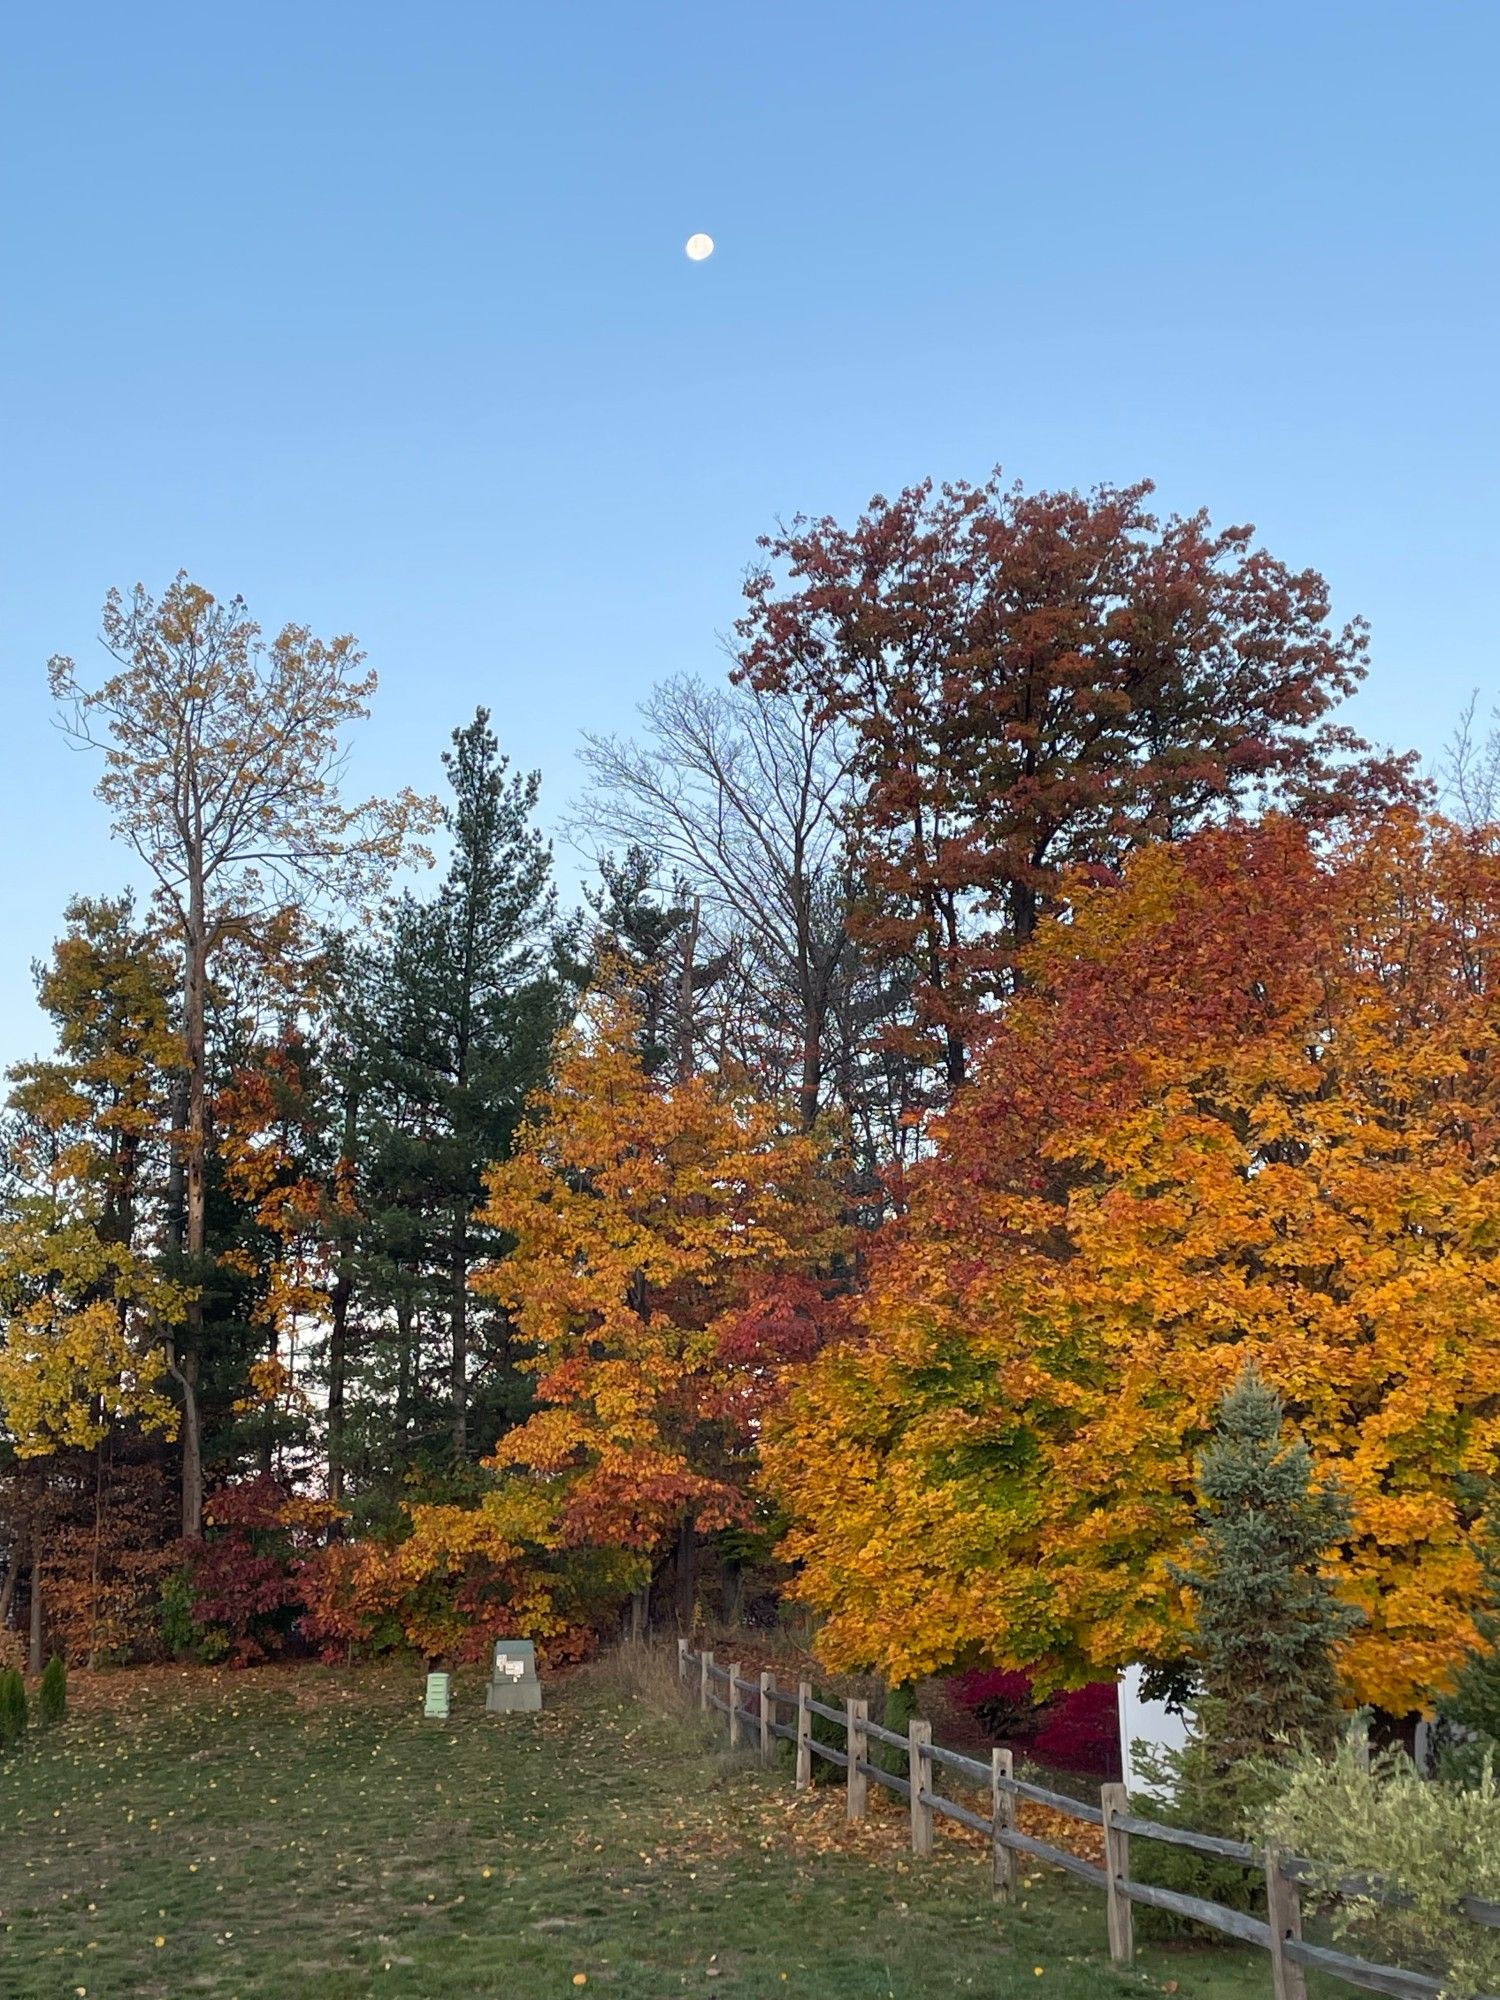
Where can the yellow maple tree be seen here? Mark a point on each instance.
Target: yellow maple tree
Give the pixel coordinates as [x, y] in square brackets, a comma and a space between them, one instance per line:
[1249, 1108]
[667, 1235]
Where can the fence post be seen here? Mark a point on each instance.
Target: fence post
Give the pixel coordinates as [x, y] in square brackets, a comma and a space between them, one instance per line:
[804, 1735]
[1284, 1913]
[705, 1675]
[1115, 1799]
[767, 1716]
[857, 1750]
[734, 1705]
[919, 1763]
[682, 1659]
[1002, 1817]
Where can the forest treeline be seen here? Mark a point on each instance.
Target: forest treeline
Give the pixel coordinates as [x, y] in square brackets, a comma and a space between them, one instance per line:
[1007, 1002]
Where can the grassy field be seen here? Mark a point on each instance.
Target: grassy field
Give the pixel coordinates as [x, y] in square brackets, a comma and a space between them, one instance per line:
[304, 1832]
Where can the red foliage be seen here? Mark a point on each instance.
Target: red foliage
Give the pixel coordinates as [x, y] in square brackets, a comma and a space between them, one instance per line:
[246, 1571]
[1077, 1730]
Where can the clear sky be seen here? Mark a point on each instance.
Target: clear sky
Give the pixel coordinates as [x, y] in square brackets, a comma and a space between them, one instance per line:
[380, 316]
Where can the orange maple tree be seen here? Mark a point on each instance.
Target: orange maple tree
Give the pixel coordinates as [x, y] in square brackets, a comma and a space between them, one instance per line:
[1248, 1108]
[668, 1240]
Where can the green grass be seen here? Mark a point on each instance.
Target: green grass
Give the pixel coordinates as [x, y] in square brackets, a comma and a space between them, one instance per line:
[305, 1832]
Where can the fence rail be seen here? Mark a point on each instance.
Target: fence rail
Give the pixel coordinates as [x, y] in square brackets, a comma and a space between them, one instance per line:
[1280, 1934]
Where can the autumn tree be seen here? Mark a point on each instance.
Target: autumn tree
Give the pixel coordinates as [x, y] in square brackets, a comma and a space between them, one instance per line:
[84, 1302]
[669, 1235]
[1245, 1111]
[222, 762]
[1034, 681]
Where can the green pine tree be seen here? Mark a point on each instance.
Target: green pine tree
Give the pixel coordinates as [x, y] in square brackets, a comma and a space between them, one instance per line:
[458, 1022]
[1263, 1676]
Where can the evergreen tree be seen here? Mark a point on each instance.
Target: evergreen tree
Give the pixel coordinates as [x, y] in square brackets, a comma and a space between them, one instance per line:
[1269, 1622]
[12, 1709]
[52, 1696]
[1475, 1701]
[471, 993]
[656, 934]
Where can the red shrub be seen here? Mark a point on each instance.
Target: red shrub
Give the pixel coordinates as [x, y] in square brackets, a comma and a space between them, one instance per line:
[1077, 1730]
[245, 1572]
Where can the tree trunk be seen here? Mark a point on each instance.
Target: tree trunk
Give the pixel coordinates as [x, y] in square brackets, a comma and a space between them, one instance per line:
[343, 1292]
[35, 1661]
[459, 1379]
[687, 1574]
[186, 1372]
[812, 1073]
[338, 1364]
[8, 1588]
[196, 1234]
[403, 1360]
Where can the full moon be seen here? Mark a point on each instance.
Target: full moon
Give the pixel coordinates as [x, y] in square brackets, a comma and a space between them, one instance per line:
[699, 247]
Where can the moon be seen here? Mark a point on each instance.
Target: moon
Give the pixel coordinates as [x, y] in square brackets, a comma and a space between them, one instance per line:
[699, 246]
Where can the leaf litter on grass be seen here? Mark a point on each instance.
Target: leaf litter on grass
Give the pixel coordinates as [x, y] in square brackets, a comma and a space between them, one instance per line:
[265, 1820]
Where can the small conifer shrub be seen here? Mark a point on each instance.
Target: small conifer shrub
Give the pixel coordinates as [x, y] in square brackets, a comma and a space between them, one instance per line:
[52, 1699]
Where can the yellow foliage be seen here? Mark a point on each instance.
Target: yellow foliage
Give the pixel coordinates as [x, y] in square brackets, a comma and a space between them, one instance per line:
[1250, 1108]
[651, 1222]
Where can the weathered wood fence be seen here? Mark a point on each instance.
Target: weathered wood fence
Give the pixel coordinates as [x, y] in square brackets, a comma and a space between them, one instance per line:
[760, 1727]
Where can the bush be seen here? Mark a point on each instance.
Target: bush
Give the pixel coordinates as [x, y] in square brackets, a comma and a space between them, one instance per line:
[246, 1574]
[52, 1697]
[12, 1709]
[178, 1632]
[1195, 1788]
[1433, 1841]
[1474, 1704]
[1076, 1729]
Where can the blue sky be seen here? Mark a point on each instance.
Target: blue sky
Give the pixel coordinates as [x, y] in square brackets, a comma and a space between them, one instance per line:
[380, 316]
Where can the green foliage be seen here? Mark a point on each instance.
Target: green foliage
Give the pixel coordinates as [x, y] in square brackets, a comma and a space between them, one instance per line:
[1475, 1701]
[179, 1633]
[1193, 1787]
[1432, 1841]
[12, 1709]
[896, 1712]
[1268, 1620]
[52, 1696]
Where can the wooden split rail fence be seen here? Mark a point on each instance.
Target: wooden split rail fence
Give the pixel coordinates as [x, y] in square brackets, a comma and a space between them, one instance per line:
[760, 1727]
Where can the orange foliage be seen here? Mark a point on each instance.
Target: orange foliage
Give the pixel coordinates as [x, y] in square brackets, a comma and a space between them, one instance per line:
[461, 1578]
[1249, 1107]
[667, 1236]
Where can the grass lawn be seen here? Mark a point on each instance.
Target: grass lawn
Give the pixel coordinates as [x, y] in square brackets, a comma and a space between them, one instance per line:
[305, 1832]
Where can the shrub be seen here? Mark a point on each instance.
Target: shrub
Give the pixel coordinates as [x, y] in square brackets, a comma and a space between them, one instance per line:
[12, 1709]
[1193, 1787]
[52, 1696]
[1475, 1701]
[246, 1574]
[1077, 1729]
[1432, 1841]
[451, 1580]
[179, 1634]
